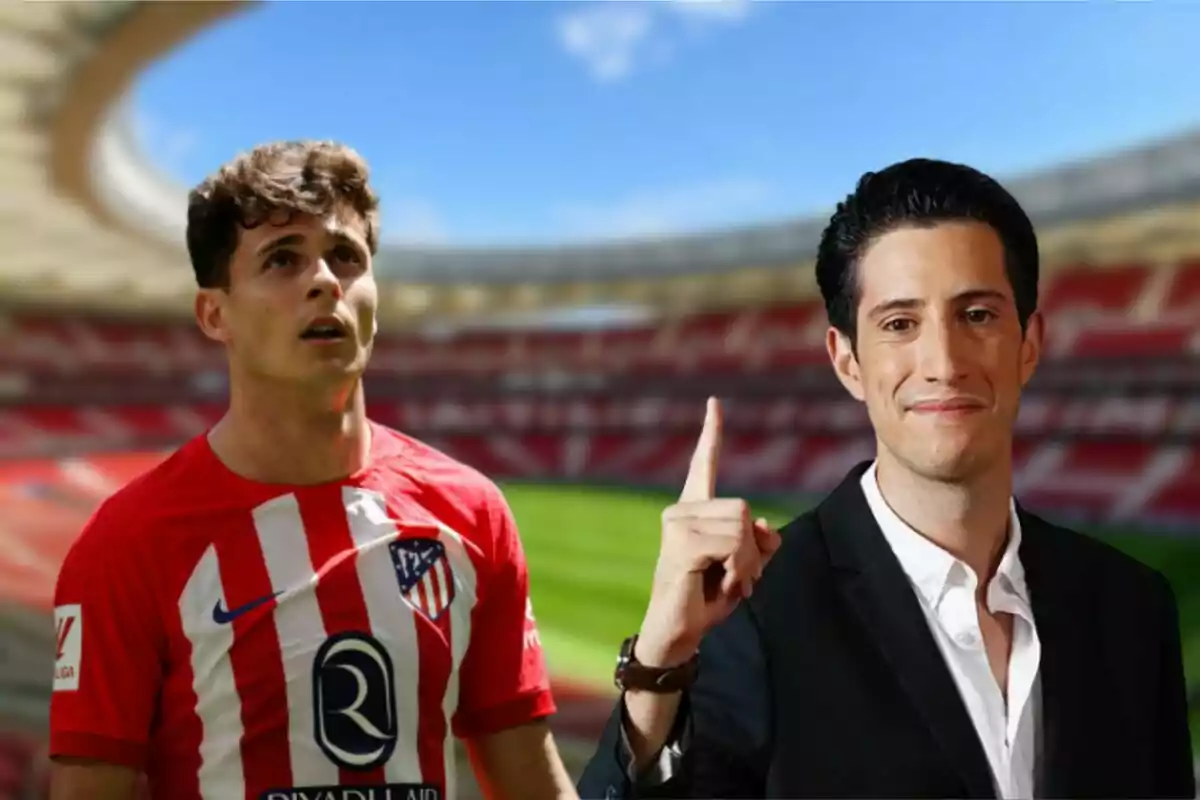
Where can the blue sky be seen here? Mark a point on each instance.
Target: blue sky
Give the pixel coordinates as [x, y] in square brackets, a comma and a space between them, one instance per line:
[528, 123]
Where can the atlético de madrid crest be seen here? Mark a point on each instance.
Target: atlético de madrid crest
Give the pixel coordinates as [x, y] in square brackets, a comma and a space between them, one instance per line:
[424, 574]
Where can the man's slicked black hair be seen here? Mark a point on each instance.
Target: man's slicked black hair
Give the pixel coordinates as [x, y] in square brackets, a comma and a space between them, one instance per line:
[921, 193]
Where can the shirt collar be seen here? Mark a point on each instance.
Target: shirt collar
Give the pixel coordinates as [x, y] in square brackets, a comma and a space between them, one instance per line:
[928, 566]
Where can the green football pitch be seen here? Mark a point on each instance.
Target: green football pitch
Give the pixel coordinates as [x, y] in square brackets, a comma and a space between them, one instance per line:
[591, 553]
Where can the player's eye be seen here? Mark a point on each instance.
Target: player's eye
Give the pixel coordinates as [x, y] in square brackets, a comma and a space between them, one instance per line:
[279, 259]
[347, 254]
[979, 316]
[898, 325]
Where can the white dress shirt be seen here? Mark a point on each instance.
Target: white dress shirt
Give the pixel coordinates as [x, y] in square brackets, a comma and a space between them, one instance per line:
[946, 587]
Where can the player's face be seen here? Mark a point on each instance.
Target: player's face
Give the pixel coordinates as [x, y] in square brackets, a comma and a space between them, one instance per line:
[941, 359]
[301, 301]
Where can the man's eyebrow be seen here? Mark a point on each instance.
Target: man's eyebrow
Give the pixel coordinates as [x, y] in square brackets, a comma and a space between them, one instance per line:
[897, 304]
[981, 294]
[910, 303]
[282, 241]
[293, 239]
[345, 237]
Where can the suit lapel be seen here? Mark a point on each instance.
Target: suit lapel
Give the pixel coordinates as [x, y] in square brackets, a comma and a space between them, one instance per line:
[1060, 612]
[882, 597]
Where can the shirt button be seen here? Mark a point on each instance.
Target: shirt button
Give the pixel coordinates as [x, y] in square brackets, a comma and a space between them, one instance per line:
[967, 639]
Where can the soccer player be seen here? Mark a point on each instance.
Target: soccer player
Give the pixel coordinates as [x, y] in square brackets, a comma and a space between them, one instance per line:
[299, 604]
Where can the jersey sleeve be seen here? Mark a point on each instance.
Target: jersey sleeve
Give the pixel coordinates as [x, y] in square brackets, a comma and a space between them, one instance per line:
[504, 680]
[107, 670]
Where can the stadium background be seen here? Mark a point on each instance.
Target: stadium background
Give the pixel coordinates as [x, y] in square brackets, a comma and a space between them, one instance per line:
[589, 430]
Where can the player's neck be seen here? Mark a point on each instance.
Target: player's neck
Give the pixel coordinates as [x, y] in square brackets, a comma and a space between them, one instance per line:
[969, 520]
[294, 435]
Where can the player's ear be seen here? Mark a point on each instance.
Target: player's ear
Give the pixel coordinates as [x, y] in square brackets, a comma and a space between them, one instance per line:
[210, 313]
[845, 361]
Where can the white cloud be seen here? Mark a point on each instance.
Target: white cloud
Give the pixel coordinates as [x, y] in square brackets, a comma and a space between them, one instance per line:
[715, 11]
[659, 212]
[168, 146]
[607, 38]
[614, 38]
[411, 221]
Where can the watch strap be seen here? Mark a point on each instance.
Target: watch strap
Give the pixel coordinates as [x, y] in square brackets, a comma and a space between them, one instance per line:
[632, 674]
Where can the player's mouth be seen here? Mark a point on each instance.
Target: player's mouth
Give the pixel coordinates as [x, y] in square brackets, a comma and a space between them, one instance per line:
[948, 406]
[325, 329]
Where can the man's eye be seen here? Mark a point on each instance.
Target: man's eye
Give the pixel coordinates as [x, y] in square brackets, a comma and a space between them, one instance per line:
[281, 258]
[347, 254]
[978, 316]
[898, 325]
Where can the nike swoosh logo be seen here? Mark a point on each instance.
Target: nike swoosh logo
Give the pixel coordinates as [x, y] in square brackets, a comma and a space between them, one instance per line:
[223, 617]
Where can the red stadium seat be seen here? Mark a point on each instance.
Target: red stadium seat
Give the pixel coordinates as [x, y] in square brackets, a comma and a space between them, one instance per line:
[1184, 293]
[1084, 290]
[775, 338]
[1124, 340]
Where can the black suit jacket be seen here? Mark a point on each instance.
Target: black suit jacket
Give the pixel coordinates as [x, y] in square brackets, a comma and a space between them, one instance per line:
[827, 682]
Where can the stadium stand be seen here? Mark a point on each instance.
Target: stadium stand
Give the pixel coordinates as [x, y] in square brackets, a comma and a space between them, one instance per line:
[1106, 433]
[1122, 312]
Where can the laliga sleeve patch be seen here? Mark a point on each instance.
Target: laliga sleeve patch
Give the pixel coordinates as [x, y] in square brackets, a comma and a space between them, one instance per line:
[533, 640]
[68, 622]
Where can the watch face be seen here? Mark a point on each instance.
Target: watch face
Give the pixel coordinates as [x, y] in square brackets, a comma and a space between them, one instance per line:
[626, 654]
[624, 658]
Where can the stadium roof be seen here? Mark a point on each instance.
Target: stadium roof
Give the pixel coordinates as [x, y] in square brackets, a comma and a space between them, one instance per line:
[85, 217]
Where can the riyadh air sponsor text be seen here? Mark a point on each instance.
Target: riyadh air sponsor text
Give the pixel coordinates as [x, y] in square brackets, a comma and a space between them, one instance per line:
[390, 791]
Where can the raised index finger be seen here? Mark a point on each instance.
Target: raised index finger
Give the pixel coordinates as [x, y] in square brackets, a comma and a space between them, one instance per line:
[701, 480]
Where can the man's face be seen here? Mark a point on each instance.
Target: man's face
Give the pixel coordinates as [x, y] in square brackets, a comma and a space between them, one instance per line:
[286, 277]
[941, 359]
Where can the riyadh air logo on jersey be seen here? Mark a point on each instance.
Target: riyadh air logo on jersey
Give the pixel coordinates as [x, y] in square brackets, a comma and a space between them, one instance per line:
[383, 791]
[68, 624]
[354, 699]
[424, 574]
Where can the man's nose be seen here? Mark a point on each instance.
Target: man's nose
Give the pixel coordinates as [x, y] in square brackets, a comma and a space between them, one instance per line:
[942, 352]
[324, 281]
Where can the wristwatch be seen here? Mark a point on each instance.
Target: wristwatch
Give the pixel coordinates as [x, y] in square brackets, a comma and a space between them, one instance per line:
[632, 674]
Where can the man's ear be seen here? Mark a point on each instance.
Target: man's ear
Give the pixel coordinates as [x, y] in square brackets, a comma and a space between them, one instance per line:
[1031, 346]
[845, 362]
[210, 314]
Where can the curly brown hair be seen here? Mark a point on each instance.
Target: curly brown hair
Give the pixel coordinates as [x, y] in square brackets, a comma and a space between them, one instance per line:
[294, 177]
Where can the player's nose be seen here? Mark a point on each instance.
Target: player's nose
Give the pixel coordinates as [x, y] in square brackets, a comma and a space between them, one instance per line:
[323, 281]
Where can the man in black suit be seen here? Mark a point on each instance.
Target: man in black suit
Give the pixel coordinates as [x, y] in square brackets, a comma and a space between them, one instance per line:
[919, 633]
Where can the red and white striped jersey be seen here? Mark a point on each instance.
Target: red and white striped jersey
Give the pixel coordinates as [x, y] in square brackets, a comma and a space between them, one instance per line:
[244, 640]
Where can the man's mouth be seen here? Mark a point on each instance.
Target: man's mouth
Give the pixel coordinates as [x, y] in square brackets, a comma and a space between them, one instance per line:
[948, 405]
[326, 329]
